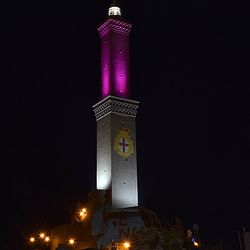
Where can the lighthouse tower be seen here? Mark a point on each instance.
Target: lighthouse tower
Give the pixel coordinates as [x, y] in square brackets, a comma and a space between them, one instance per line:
[112, 214]
[115, 115]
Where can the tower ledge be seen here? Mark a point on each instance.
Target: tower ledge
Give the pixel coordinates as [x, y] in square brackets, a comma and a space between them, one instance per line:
[113, 104]
[115, 25]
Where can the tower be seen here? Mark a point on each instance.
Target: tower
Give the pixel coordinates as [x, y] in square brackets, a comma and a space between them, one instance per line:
[113, 214]
[116, 115]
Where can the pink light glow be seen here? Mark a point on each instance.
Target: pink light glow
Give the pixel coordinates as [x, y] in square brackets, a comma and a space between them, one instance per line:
[121, 65]
[115, 58]
[105, 67]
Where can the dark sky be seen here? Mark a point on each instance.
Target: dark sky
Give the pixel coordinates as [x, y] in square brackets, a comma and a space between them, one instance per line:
[190, 72]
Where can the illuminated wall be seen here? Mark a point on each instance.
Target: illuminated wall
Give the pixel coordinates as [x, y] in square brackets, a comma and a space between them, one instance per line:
[115, 58]
[116, 150]
[103, 173]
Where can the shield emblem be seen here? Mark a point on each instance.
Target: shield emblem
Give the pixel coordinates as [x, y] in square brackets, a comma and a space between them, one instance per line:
[123, 144]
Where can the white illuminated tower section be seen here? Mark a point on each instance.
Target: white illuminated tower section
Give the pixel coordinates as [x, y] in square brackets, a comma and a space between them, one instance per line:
[115, 115]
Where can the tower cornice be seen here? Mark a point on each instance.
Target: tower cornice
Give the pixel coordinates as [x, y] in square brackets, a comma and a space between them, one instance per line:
[113, 24]
[113, 104]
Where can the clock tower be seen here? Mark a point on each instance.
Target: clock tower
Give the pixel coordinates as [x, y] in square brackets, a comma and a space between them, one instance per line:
[115, 114]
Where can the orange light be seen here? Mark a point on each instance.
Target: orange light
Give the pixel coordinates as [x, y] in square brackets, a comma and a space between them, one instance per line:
[71, 241]
[126, 244]
[42, 235]
[196, 243]
[47, 239]
[83, 213]
[32, 239]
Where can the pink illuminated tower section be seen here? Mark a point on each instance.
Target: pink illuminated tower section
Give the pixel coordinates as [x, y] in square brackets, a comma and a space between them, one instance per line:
[114, 33]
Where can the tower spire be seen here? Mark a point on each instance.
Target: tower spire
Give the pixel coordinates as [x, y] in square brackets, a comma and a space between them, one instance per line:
[114, 9]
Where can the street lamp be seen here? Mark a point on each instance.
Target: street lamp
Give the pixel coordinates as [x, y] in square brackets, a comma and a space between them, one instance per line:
[126, 245]
[71, 242]
[32, 239]
[82, 213]
[47, 239]
[196, 244]
[42, 235]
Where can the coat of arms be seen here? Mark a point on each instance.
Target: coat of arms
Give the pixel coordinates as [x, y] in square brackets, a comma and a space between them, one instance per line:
[123, 144]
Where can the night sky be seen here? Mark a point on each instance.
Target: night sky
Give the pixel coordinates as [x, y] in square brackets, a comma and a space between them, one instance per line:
[190, 72]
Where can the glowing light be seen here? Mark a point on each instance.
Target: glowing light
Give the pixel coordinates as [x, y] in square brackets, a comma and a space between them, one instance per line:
[71, 241]
[126, 244]
[115, 11]
[196, 243]
[47, 239]
[32, 239]
[83, 213]
[42, 235]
